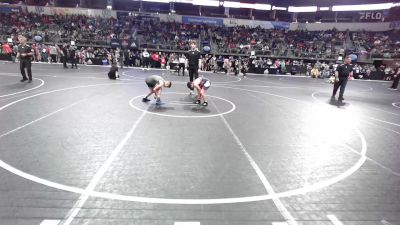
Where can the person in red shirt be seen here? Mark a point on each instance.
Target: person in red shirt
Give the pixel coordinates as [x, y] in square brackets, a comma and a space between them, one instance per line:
[6, 48]
[155, 59]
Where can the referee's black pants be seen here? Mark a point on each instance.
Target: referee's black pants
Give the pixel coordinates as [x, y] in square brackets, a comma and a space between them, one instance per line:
[342, 82]
[395, 82]
[65, 59]
[181, 66]
[26, 63]
[193, 73]
[146, 62]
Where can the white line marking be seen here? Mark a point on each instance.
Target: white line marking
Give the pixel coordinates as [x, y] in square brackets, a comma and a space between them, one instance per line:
[372, 160]
[100, 173]
[316, 99]
[368, 117]
[396, 132]
[178, 116]
[41, 118]
[179, 103]
[63, 76]
[276, 75]
[81, 77]
[112, 196]
[395, 104]
[303, 76]
[334, 220]
[382, 121]
[268, 187]
[372, 81]
[187, 223]
[384, 222]
[15, 96]
[50, 222]
[384, 111]
[368, 158]
[19, 92]
[266, 93]
[260, 86]
[58, 90]
[263, 81]
[226, 82]
[125, 73]
[279, 223]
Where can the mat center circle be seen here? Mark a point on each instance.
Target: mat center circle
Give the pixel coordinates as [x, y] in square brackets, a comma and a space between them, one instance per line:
[181, 105]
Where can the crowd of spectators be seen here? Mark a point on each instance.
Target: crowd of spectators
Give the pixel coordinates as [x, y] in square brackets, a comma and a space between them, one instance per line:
[53, 28]
[378, 44]
[96, 31]
[216, 63]
[94, 35]
[277, 42]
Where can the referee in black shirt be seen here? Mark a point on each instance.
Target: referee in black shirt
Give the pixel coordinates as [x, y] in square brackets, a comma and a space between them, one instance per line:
[65, 54]
[25, 58]
[396, 78]
[193, 56]
[342, 75]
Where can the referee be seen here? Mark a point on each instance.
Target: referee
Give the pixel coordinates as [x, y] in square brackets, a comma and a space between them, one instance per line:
[342, 74]
[396, 78]
[193, 56]
[24, 55]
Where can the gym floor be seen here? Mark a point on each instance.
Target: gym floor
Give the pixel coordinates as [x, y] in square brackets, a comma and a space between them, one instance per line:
[78, 148]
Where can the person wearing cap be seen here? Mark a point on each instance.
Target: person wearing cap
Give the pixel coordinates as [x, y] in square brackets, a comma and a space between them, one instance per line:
[201, 85]
[155, 84]
[342, 74]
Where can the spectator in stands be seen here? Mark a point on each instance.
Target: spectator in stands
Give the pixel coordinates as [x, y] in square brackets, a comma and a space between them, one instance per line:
[175, 36]
[163, 61]
[315, 73]
[6, 49]
[155, 60]
[53, 53]
[182, 63]
[145, 59]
